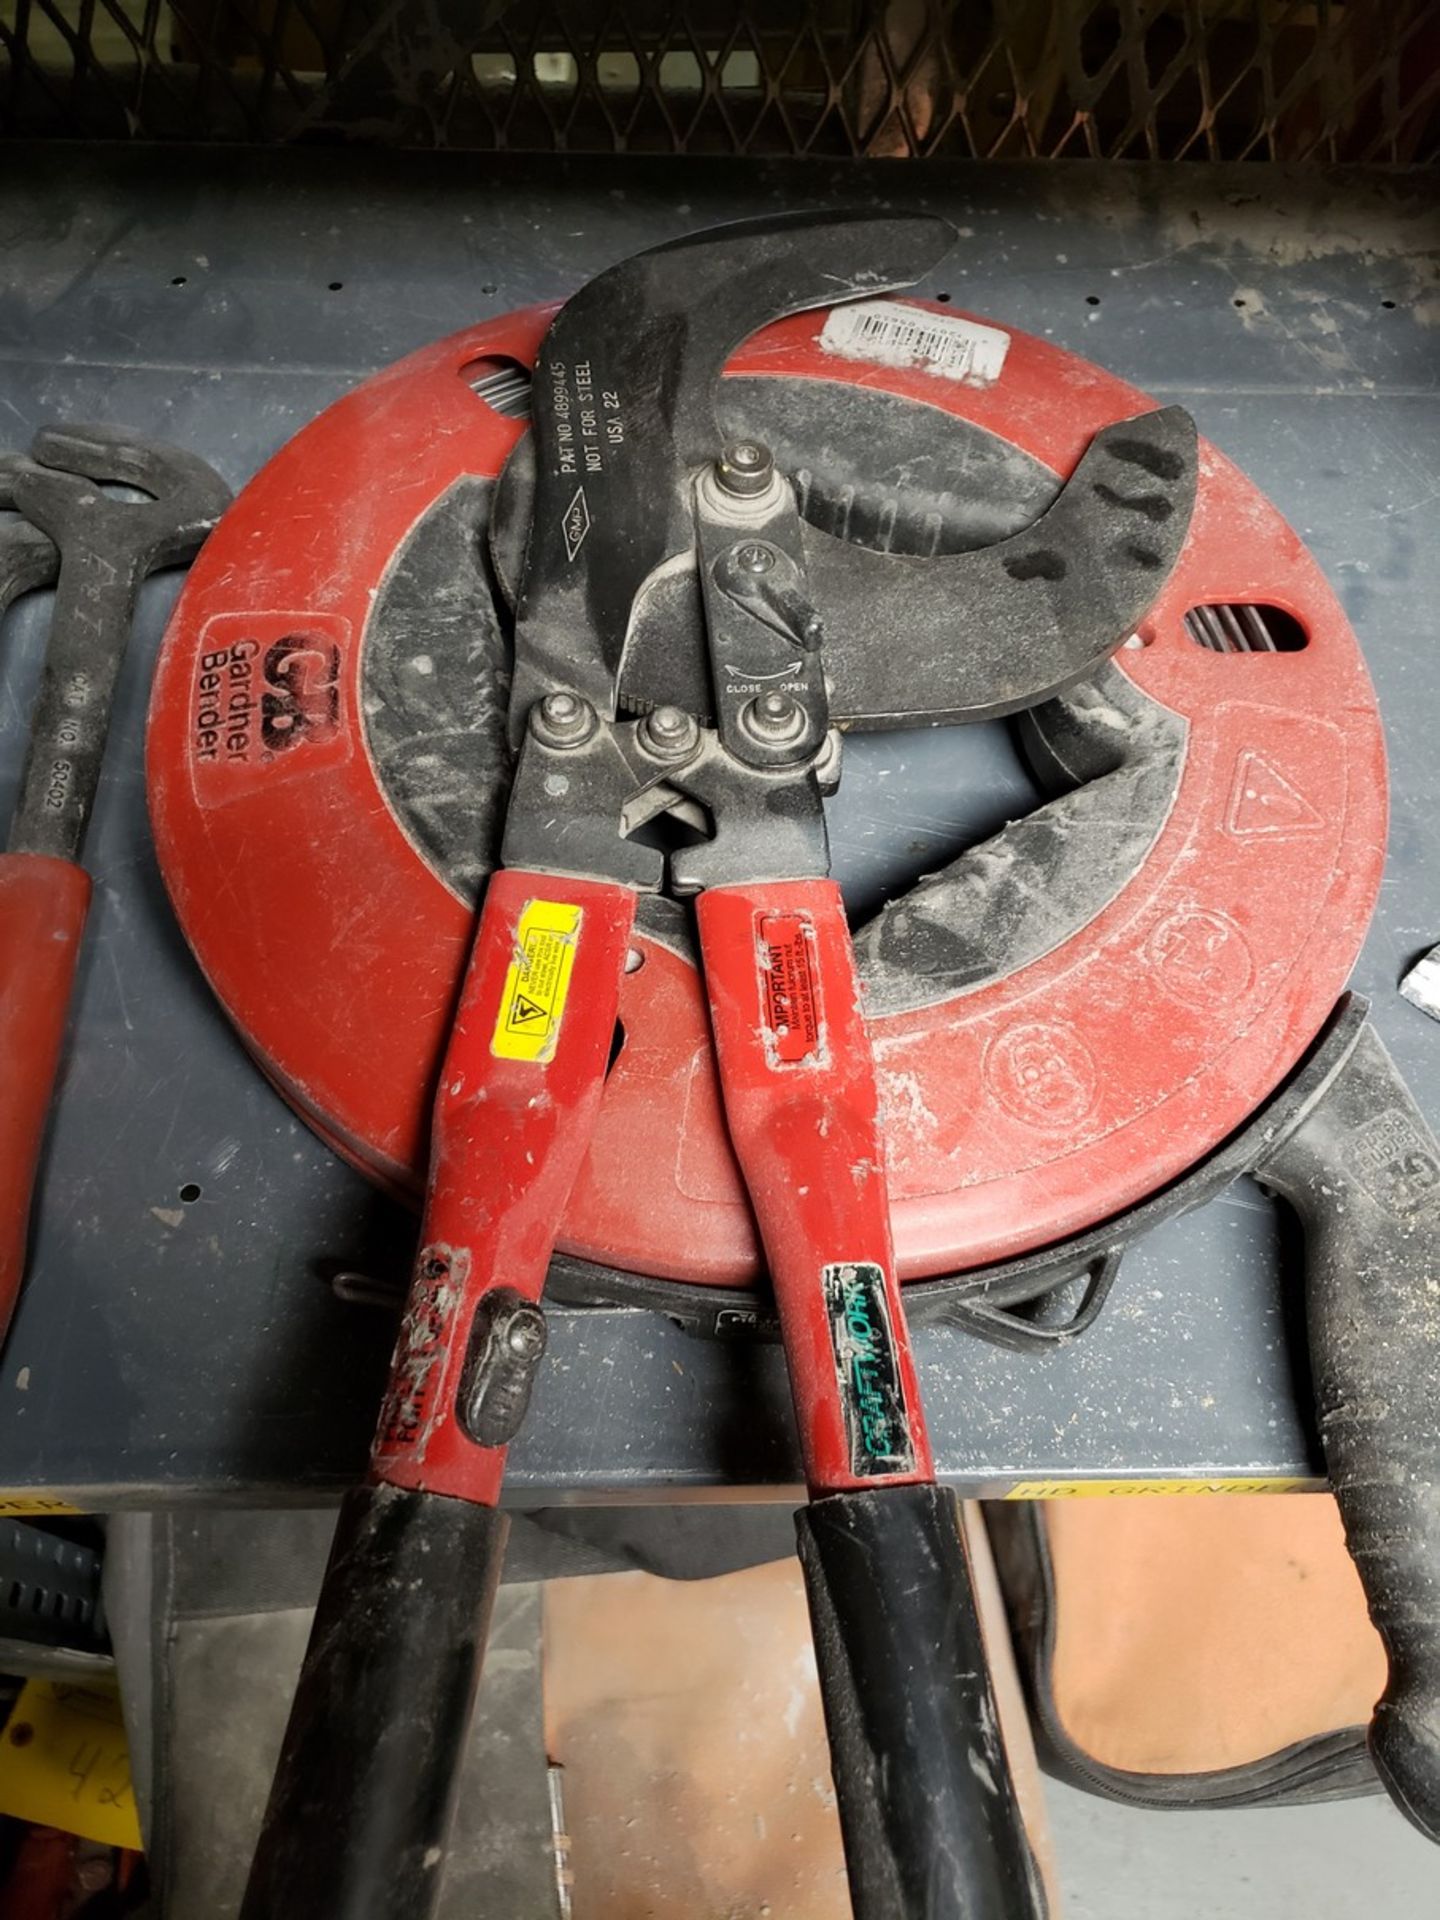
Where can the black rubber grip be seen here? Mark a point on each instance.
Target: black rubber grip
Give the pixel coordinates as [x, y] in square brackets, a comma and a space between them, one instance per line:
[1363, 1171]
[931, 1825]
[360, 1808]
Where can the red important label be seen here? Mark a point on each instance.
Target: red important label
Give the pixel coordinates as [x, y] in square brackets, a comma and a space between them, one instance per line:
[788, 988]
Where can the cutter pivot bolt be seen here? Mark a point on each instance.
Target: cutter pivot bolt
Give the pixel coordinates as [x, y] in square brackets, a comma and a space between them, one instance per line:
[670, 733]
[774, 719]
[745, 468]
[562, 720]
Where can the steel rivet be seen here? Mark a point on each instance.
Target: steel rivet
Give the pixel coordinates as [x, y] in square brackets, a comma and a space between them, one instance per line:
[562, 720]
[670, 732]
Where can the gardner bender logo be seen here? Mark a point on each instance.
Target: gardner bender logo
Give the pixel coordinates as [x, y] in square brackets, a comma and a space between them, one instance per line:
[576, 524]
[877, 1420]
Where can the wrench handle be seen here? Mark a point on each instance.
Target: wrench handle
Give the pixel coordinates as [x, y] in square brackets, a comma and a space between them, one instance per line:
[360, 1809]
[928, 1811]
[90, 626]
[43, 904]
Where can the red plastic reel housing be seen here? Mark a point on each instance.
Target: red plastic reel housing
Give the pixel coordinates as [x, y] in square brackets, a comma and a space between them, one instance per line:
[1020, 1111]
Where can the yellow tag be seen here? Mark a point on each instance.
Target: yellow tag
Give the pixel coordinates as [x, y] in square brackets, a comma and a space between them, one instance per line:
[64, 1762]
[12, 1504]
[533, 1003]
[1103, 1489]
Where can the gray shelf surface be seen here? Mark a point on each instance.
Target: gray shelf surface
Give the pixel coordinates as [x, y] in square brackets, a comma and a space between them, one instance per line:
[166, 1351]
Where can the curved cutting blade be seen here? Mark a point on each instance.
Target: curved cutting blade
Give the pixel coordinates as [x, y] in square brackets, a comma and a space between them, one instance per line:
[623, 412]
[972, 636]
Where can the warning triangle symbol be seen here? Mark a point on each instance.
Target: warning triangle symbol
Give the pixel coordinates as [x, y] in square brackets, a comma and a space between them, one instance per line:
[1262, 800]
[523, 1011]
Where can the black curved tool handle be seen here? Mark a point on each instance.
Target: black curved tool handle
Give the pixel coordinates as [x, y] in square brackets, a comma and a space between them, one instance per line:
[359, 1812]
[1362, 1169]
[931, 1824]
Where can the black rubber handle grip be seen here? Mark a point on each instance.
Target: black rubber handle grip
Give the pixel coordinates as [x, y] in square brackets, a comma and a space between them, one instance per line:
[931, 1824]
[1362, 1169]
[360, 1809]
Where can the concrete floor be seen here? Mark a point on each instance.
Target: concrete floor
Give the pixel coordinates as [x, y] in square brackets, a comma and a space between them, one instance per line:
[1357, 1858]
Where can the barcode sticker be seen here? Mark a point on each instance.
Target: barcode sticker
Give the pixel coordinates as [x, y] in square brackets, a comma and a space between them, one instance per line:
[895, 335]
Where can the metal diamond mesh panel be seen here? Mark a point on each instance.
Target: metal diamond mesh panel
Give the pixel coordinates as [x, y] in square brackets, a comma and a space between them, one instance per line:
[1330, 80]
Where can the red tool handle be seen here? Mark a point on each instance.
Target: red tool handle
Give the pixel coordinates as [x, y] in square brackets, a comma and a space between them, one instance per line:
[43, 903]
[513, 1116]
[361, 1804]
[803, 1109]
[928, 1812]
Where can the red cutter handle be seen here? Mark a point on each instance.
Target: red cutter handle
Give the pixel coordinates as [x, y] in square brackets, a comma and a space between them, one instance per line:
[363, 1794]
[928, 1811]
[43, 903]
[803, 1110]
[513, 1116]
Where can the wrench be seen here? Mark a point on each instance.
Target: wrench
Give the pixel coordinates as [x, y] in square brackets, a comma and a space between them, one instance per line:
[106, 547]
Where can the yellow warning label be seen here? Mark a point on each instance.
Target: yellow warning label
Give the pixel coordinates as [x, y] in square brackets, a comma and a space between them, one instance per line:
[533, 1003]
[13, 1505]
[64, 1762]
[1106, 1489]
